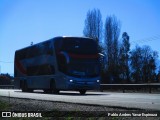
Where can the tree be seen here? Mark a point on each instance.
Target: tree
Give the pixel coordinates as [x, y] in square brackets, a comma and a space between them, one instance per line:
[93, 24]
[5, 79]
[158, 75]
[111, 35]
[124, 57]
[136, 64]
[149, 64]
[143, 64]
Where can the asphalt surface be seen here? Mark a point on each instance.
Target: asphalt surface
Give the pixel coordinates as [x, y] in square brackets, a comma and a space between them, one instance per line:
[113, 99]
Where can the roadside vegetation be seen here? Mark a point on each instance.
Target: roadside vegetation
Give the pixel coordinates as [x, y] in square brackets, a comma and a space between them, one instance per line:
[6, 79]
[4, 106]
[120, 63]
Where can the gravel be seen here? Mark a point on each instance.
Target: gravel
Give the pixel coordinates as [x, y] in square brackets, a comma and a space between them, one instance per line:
[24, 105]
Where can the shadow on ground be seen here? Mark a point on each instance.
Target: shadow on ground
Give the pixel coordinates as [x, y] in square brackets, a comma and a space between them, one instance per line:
[66, 93]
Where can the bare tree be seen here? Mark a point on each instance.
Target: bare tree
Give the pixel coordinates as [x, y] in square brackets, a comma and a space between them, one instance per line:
[93, 24]
[149, 65]
[143, 64]
[111, 35]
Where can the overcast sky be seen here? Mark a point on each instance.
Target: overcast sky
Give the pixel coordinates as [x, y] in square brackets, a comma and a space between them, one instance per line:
[26, 21]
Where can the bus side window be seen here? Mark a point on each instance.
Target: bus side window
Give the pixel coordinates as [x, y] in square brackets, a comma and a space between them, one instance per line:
[62, 63]
[48, 48]
[45, 69]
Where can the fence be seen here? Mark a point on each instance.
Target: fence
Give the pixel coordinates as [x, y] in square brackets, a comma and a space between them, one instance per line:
[124, 87]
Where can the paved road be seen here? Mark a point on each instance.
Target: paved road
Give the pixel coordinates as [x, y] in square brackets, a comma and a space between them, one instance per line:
[129, 100]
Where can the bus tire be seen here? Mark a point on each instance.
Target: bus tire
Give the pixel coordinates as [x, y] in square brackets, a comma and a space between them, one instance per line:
[47, 91]
[24, 86]
[30, 90]
[82, 92]
[55, 91]
[53, 87]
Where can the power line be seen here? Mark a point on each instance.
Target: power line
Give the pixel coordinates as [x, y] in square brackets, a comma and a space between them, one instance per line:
[154, 38]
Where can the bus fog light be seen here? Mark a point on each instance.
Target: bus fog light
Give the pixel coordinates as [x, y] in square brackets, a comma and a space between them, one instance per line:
[97, 80]
[70, 80]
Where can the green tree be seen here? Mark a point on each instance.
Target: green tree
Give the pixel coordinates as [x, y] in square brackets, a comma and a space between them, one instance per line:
[136, 64]
[124, 58]
[158, 75]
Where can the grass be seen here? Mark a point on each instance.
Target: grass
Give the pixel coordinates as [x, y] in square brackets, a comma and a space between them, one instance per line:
[4, 106]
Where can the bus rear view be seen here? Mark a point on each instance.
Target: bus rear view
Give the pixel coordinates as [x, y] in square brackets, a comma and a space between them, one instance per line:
[75, 61]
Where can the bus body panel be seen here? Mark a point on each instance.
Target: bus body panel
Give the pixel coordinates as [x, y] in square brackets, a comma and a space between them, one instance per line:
[37, 67]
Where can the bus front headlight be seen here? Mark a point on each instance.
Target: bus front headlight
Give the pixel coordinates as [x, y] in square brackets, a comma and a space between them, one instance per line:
[98, 81]
[70, 80]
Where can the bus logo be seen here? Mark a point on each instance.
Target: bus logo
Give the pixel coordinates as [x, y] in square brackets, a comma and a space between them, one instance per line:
[6, 114]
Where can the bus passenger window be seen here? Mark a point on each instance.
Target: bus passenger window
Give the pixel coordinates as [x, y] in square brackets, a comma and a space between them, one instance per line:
[40, 70]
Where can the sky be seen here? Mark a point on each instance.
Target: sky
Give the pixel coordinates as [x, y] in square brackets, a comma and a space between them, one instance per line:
[26, 21]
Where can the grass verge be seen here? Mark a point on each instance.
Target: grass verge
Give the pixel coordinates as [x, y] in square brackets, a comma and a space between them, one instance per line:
[4, 105]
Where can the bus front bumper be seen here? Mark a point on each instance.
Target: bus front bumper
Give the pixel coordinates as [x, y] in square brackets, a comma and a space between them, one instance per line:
[84, 86]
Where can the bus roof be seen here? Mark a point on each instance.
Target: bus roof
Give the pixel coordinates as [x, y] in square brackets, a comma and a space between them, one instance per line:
[52, 39]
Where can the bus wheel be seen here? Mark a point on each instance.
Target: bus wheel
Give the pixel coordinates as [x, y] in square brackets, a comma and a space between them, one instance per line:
[30, 90]
[55, 91]
[53, 87]
[47, 91]
[82, 92]
[24, 87]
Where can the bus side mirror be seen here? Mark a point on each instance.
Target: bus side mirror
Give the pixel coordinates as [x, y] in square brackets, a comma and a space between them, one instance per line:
[101, 55]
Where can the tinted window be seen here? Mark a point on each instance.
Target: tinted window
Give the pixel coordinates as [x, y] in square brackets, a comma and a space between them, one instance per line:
[36, 50]
[77, 45]
[45, 69]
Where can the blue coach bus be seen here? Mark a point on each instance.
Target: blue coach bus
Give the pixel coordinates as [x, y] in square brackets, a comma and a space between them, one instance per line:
[61, 63]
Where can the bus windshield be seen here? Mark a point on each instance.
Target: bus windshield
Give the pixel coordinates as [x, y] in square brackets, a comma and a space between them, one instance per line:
[77, 45]
[83, 68]
[78, 57]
